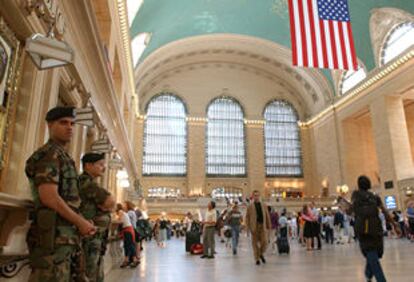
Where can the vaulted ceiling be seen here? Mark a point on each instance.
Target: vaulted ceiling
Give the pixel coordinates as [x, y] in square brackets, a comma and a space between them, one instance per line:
[169, 21]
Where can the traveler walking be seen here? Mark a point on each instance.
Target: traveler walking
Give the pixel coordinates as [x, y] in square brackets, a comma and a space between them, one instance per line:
[410, 220]
[128, 235]
[328, 225]
[163, 229]
[234, 220]
[258, 223]
[368, 227]
[308, 229]
[209, 229]
[274, 219]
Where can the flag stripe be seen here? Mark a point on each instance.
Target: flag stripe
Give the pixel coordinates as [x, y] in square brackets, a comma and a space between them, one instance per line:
[347, 46]
[317, 34]
[324, 45]
[308, 33]
[333, 44]
[313, 35]
[351, 40]
[298, 36]
[335, 25]
[329, 47]
[293, 34]
[302, 32]
[343, 48]
[321, 34]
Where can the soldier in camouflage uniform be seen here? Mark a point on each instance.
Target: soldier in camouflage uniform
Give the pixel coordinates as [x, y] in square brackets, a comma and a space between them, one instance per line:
[54, 235]
[96, 205]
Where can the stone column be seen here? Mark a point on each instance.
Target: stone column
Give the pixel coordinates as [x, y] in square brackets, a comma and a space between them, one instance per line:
[255, 156]
[196, 162]
[106, 176]
[392, 142]
[312, 185]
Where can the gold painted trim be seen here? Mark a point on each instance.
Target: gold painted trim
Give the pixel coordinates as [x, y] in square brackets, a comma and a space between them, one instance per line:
[7, 116]
[126, 41]
[369, 81]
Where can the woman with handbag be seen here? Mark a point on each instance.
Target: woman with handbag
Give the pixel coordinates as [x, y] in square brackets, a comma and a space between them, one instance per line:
[128, 235]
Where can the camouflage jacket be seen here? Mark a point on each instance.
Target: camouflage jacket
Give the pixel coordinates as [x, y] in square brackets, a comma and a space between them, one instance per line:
[92, 195]
[51, 164]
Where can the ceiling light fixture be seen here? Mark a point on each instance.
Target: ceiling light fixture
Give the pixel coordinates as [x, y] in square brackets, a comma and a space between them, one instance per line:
[47, 51]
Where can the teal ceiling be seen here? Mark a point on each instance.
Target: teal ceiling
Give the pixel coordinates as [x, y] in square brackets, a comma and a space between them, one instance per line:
[170, 20]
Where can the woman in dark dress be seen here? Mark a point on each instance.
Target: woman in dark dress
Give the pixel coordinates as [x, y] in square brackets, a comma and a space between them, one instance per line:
[308, 229]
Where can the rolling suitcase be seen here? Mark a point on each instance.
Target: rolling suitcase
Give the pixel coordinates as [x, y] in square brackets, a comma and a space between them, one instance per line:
[283, 245]
[191, 238]
[197, 249]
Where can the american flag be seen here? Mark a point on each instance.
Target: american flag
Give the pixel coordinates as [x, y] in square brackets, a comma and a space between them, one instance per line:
[321, 34]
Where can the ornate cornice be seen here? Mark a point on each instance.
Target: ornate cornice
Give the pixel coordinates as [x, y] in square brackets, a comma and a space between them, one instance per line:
[372, 80]
[126, 43]
[229, 49]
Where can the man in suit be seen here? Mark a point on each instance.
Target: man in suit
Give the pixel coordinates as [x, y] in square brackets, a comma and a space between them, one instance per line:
[258, 223]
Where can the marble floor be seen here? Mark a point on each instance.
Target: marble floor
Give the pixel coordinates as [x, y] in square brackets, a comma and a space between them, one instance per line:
[339, 263]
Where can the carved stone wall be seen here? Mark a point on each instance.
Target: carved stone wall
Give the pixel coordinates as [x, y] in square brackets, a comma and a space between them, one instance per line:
[382, 21]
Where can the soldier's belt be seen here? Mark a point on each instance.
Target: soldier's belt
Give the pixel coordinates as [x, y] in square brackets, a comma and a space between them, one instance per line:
[67, 235]
[67, 241]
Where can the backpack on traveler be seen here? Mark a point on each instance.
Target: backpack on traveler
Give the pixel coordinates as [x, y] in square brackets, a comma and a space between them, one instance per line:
[366, 209]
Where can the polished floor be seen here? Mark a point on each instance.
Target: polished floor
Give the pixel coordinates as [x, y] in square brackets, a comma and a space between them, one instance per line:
[338, 263]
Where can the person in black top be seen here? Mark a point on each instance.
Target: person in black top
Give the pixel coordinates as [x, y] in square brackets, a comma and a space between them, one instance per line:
[368, 227]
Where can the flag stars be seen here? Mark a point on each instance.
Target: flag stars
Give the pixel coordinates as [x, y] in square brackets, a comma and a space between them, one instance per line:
[333, 10]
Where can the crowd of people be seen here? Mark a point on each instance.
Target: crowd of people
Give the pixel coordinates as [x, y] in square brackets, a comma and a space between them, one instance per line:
[310, 227]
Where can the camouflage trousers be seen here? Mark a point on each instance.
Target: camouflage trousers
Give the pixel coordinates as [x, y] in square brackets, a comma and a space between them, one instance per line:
[53, 267]
[94, 261]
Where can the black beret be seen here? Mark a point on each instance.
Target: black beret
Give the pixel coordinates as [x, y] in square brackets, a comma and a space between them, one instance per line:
[60, 112]
[92, 157]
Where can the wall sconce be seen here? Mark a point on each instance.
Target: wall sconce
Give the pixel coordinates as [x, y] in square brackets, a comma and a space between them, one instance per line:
[48, 52]
[342, 189]
[122, 177]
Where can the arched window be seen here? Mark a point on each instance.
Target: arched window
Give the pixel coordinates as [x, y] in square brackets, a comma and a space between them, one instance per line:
[165, 137]
[282, 140]
[225, 138]
[350, 79]
[399, 40]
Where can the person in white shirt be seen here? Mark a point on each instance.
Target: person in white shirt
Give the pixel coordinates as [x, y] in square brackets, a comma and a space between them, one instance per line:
[209, 228]
[162, 238]
[328, 226]
[188, 220]
[293, 226]
[283, 225]
[130, 207]
[128, 235]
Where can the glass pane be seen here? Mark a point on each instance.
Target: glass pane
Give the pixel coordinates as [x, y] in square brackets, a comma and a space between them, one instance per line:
[165, 137]
[225, 138]
[400, 40]
[282, 141]
[352, 78]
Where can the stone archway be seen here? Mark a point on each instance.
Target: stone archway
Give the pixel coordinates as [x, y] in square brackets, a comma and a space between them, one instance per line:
[308, 88]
